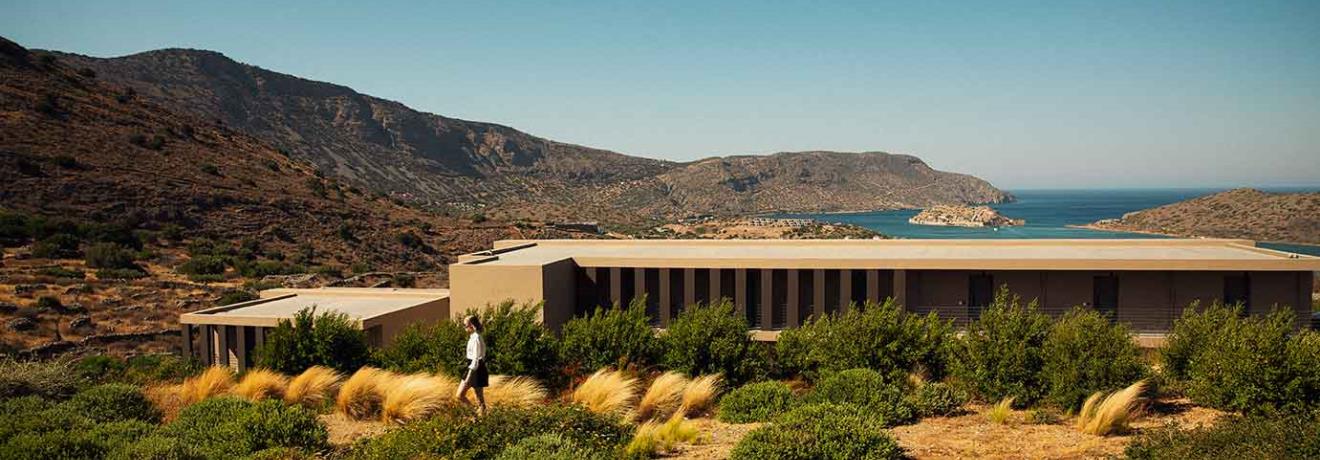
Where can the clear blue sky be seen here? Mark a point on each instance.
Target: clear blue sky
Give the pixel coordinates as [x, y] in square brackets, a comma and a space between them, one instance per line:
[1025, 94]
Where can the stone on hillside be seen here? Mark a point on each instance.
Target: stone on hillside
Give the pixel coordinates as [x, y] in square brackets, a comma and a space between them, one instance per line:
[21, 324]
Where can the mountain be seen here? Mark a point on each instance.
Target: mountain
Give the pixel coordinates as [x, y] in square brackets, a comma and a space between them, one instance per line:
[1240, 213]
[468, 166]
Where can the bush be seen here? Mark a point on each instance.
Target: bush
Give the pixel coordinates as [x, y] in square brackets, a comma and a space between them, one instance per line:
[516, 342]
[451, 435]
[110, 255]
[420, 348]
[936, 399]
[203, 265]
[52, 444]
[226, 427]
[549, 446]
[1256, 436]
[157, 448]
[49, 303]
[235, 296]
[1086, 353]
[328, 339]
[883, 337]
[113, 402]
[868, 390]
[1190, 335]
[57, 246]
[820, 431]
[120, 274]
[609, 337]
[61, 272]
[49, 379]
[756, 402]
[34, 415]
[1001, 355]
[137, 370]
[710, 340]
[117, 435]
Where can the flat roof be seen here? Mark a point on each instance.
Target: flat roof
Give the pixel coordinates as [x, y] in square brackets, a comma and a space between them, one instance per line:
[361, 304]
[968, 254]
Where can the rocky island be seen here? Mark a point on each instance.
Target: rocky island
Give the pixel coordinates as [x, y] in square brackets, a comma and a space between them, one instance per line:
[963, 216]
[1240, 213]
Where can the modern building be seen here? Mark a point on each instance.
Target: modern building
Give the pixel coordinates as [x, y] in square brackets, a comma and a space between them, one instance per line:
[226, 335]
[1146, 283]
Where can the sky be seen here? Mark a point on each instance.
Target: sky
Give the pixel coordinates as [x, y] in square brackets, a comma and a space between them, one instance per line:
[1058, 94]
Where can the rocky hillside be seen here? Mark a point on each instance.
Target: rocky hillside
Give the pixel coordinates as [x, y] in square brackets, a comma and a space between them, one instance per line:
[1241, 213]
[468, 166]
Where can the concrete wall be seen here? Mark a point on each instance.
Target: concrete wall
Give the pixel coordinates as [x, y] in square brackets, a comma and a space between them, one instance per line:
[392, 324]
[486, 286]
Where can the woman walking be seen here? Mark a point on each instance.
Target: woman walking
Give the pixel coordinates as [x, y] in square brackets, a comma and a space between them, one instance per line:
[477, 377]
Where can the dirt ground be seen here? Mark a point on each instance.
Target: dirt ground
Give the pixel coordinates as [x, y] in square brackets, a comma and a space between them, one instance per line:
[971, 435]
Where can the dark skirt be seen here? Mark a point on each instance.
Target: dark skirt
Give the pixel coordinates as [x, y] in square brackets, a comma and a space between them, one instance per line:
[479, 377]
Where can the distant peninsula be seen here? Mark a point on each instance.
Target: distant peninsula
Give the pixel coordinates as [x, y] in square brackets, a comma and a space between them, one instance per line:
[1240, 213]
[963, 216]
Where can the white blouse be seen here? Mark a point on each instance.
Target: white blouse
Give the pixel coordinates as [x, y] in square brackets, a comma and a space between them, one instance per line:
[476, 349]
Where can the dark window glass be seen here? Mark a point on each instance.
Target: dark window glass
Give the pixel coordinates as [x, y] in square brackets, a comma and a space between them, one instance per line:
[1104, 295]
[980, 293]
[1237, 290]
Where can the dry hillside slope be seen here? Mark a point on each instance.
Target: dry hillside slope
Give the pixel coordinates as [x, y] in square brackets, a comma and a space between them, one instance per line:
[1240, 213]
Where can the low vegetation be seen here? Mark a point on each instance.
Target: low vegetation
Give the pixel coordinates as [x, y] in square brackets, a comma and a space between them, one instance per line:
[711, 339]
[1103, 415]
[820, 431]
[310, 339]
[757, 402]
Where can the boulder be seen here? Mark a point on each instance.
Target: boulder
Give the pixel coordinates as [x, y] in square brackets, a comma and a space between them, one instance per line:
[21, 324]
[82, 325]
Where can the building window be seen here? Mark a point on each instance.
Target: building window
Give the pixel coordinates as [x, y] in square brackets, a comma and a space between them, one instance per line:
[1104, 296]
[980, 293]
[1237, 290]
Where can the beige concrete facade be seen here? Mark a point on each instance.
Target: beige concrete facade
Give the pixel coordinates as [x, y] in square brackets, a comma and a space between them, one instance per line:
[779, 283]
[228, 334]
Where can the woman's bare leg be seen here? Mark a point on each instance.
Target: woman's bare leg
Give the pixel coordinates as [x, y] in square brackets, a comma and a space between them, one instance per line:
[461, 395]
[481, 400]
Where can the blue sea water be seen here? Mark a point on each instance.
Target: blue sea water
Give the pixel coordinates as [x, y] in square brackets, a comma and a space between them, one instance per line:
[1048, 214]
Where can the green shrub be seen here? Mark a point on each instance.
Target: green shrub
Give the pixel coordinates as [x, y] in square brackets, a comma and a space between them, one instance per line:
[1255, 437]
[936, 399]
[454, 435]
[328, 339]
[113, 436]
[1086, 353]
[59, 444]
[120, 274]
[883, 337]
[609, 337]
[50, 303]
[50, 379]
[550, 446]
[137, 370]
[227, 427]
[157, 448]
[820, 431]
[712, 339]
[203, 265]
[755, 402]
[868, 390]
[61, 272]
[33, 415]
[235, 296]
[13, 229]
[517, 344]
[57, 246]
[110, 255]
[1190, 335]
[438, 347]
[1042, 417]
[113, 402]
[1002, 353]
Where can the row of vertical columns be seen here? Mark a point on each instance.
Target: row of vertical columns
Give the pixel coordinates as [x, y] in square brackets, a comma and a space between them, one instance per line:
[213, 343]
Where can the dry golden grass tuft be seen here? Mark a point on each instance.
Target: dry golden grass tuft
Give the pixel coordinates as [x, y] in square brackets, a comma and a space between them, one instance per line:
[606, 391]
[1000, 413]
[361, 396]
[313, 387]
[1112, 414]
[514, 392]
[415, 396]
[700, 394]
[653, 438]
[259, 384]
[214, 381]
[167, 398]
[663, 397]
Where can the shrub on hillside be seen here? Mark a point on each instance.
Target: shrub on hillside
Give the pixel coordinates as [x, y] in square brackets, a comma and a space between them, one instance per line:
[755, 402]
[1190, 335]
[203, 265]
[227, 427]
[936, 399]
[120, 274]
[1086, 353]
[110, 255]
[455, 435]
[550, 446]
[1002, 354]
[311, 339]
[1254, 436]
[1256, 363]
[49, 379]
[113, 402]
[57, 246]
[516, 342]
[868, 390]
[713, 340]
[820, 431]
[609, 337]
[438, 347]
[881, 336]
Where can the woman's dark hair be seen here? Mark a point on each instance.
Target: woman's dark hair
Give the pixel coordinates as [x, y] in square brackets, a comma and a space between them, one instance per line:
[475, 322]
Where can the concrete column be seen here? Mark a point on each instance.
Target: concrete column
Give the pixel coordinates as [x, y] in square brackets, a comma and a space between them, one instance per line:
[767, 300]
[740, 291]
[616, 286]
[208, 345]
[793, 308]
[818, 307]
[639, 284]
[224, 345]
[715, 277]
[845, 290]
[240, 336]
[664, 297]
[900, 288]
[873, 286]
[185, 333]
[689, 287]
[259, 337]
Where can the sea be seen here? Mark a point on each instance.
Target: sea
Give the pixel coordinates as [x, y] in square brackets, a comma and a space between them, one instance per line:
[1049, 213]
